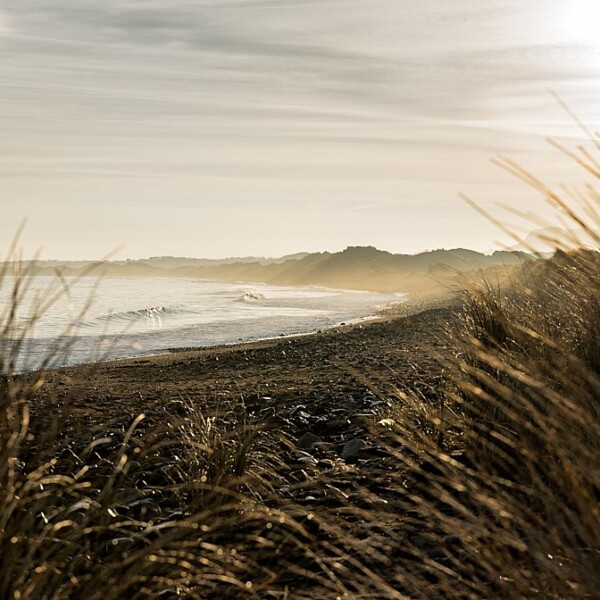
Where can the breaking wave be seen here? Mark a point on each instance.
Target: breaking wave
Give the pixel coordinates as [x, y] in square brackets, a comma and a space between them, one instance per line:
[150, 315]
[251, 296]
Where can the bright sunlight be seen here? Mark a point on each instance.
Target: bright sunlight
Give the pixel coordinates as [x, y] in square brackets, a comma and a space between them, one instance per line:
[582, 21]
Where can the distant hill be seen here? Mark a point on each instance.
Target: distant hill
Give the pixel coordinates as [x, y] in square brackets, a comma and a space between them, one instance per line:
[356, 267]
[364, 268]
[175, 262]
[169, 262]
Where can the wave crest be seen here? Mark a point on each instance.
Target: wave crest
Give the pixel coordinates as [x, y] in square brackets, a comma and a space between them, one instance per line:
[153, 315]
[251, 296]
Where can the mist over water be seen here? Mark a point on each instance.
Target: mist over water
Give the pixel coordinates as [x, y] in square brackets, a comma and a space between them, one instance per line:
[139, 316]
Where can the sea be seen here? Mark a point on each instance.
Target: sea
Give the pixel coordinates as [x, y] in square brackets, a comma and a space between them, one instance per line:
[62, 322]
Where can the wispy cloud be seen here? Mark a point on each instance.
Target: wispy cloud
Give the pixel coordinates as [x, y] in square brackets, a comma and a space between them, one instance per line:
[341, 104]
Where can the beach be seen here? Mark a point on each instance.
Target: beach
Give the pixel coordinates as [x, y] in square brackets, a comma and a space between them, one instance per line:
[347, 366]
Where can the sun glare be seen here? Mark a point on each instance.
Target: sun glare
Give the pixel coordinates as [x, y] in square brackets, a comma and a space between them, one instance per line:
[581, 19]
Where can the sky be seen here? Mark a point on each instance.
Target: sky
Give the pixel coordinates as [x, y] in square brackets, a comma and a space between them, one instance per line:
[214, 128]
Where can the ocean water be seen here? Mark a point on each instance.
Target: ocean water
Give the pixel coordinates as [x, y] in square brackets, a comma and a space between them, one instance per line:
[113, 318]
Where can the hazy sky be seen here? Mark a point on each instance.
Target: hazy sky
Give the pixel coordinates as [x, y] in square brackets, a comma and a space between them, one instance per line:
[234, 127]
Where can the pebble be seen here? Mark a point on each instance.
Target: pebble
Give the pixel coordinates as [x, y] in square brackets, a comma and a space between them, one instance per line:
[352, 448]
[307, 441]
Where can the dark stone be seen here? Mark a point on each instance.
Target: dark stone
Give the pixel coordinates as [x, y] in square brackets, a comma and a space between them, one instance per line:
[307, 441]
[352, 448]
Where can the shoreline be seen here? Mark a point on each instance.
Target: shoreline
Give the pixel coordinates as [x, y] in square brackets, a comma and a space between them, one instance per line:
[379, 358]
[391, 310]
[236, 324]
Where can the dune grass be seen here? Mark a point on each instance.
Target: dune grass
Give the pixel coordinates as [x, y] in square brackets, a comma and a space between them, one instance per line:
[515, 512]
